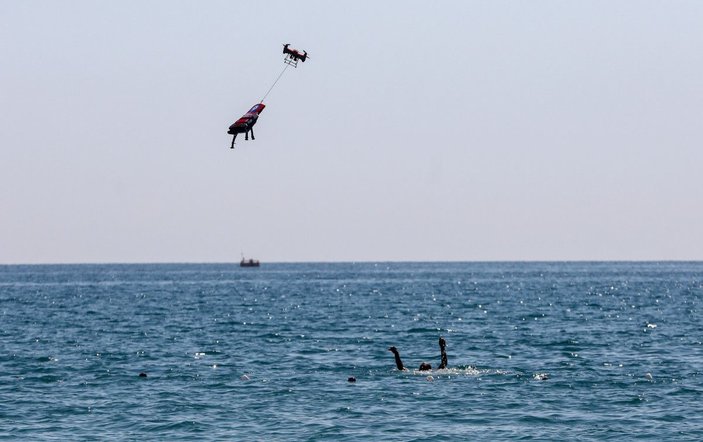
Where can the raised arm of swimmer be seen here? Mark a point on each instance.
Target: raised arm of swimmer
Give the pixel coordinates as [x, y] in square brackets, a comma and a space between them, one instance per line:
[442, 346]
[398, 362]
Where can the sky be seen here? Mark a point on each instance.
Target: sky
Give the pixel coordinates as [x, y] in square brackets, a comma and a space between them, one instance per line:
[416, 131]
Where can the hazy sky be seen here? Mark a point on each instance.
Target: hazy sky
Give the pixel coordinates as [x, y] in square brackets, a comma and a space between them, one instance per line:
[454, 130]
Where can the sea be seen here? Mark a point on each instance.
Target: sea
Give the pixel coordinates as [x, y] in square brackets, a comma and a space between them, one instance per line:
[299, 351]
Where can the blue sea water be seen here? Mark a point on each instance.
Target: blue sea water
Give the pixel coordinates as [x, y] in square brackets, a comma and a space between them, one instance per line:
[265, 353]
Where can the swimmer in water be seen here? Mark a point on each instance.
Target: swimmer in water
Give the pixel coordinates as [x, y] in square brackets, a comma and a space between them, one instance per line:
[399, 364]
[442, 346]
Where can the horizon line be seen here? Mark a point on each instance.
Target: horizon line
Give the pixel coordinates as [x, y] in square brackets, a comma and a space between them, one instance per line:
[507, 261]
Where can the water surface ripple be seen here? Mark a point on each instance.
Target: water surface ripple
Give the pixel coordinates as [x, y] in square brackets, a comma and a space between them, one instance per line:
[266, 353]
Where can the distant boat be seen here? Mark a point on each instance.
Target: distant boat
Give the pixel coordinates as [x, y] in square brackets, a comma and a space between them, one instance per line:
[249, 263]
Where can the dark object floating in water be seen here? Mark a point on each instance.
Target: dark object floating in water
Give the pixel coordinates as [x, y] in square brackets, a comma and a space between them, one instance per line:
[249, 263]
[540, 376]
[142, 375]
[351, 379]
